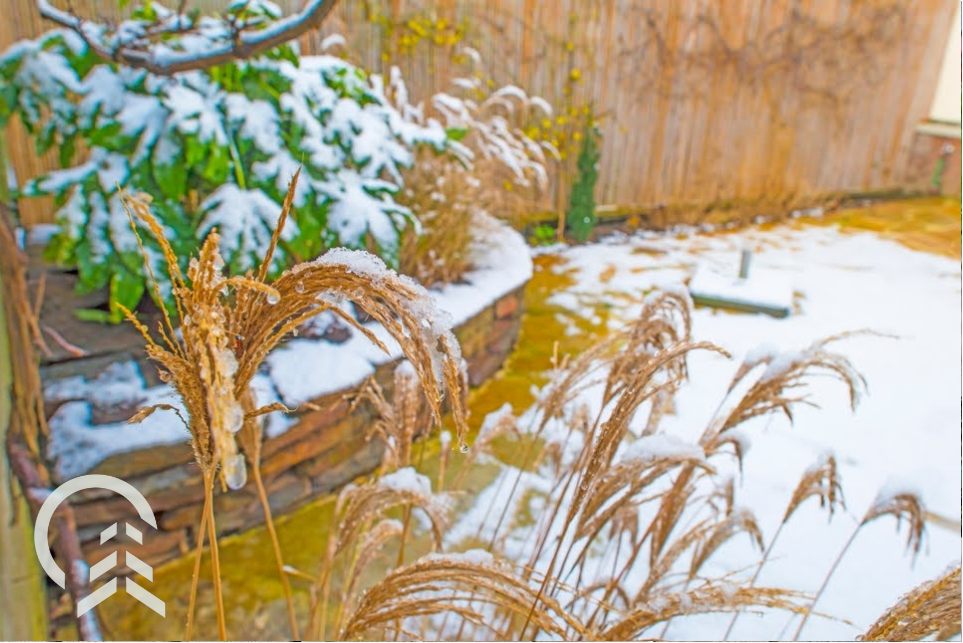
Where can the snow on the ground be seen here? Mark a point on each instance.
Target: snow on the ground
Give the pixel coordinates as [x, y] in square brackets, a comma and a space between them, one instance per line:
[907, 427]
[763, 291]
[299, 371]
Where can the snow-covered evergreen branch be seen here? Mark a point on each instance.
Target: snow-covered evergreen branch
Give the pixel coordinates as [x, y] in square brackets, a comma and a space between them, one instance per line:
[201, 42]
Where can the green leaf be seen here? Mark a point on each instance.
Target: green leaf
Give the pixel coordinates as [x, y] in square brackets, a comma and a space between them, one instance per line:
[45, 138]
[108, 137]
[286, 52]
[144, 12]
[66, 152]
[309, 242]
[8, 101]
[126, 289]
[171, 179]
[93, 315]
[218, 164]
[10, 66]
[86, 61]
[93, 272]
[60, 249]
[456, 133]
[194, 151]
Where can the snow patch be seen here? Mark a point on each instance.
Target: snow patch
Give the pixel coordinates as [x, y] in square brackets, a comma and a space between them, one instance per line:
[408, 480]
[769, 290]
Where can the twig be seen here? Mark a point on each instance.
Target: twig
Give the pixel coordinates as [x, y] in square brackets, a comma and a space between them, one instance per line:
[215, 560]
[197, 567]
[37, 304]
[73, 349]
[241, 45]
[275, 544]
[829, 575]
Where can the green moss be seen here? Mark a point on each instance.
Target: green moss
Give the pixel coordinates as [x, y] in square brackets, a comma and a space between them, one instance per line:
[925, 224]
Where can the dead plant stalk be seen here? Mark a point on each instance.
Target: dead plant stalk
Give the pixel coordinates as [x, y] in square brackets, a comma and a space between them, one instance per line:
[227, 327]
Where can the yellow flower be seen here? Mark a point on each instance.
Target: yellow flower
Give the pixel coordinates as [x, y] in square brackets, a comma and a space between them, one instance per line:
[576, 74]
[577, 136]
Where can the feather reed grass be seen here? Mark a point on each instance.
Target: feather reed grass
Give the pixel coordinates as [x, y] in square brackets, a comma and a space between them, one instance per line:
[228, 325]
[904, 505]
[446, 198]
[490, 167]
[819, 481]
[456, 583]
[628, 519]
[660, 505]
[401, 416]
[930, 609]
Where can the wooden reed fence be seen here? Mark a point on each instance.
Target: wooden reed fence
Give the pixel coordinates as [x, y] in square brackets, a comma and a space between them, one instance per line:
[698, 101]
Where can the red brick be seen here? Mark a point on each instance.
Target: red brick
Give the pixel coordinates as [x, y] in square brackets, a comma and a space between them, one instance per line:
[483, 367]
[142, 461]
[506, 306]
[332, 410]
[240, 509]
[315, 443]
[504, 337]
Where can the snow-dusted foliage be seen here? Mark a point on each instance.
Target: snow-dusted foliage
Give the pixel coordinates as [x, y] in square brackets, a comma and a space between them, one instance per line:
[215, 148]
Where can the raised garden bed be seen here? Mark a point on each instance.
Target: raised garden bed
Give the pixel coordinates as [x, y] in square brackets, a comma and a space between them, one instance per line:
[310, 452]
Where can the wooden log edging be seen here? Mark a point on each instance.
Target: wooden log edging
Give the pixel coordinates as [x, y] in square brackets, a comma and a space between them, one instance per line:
[27, 430]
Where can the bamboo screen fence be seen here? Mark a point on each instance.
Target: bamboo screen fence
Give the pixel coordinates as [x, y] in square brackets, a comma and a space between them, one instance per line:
[698, 101]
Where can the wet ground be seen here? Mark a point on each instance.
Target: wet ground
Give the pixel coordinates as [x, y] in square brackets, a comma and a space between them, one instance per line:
[252, 592]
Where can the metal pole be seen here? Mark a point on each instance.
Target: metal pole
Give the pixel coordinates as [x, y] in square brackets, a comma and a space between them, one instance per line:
[744, 263]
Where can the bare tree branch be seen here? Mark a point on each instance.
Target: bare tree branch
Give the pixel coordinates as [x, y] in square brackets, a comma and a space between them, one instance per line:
[134, 48]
